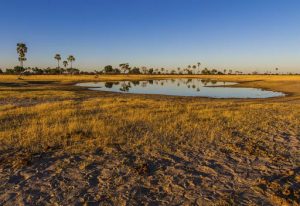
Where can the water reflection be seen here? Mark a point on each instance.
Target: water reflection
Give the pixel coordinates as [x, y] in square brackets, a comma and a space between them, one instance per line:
[182, 87]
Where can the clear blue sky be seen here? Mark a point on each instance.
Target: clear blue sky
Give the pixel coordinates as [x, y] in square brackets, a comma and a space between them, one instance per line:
[245, 35]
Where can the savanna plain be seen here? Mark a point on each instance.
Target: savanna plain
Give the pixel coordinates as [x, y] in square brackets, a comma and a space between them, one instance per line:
[61, 144]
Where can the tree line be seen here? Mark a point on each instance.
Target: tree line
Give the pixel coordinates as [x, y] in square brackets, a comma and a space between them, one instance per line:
[123, 68]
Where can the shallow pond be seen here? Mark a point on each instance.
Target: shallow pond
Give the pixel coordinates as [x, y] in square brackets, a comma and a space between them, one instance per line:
[182, 87]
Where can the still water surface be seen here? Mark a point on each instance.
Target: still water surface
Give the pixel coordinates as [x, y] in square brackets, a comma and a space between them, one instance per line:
[182, 87]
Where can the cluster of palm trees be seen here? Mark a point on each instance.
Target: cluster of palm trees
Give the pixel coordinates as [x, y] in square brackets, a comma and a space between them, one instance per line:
[22, 50]
[70, 59]
[193, 67]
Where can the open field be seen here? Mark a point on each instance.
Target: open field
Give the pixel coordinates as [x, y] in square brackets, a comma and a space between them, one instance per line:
[66, 145]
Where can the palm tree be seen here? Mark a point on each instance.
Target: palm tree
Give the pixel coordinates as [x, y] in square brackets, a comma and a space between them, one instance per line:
[58, 58]
[198, 64]
[21, 50]
[71, 59]
[65, 63]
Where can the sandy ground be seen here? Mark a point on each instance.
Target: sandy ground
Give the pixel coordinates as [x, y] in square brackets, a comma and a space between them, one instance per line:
[118, 177]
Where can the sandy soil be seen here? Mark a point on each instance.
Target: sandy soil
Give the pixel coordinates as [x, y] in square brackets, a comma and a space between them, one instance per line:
[118, 177]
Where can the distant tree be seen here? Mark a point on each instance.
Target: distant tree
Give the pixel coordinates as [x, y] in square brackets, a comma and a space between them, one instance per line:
[65, 63]
[9, 71]
[37, 70]
[178, 70]
[125, 67]
[71, 59]
[194, 68]
[213, 71]
[144, 70]
[18, 70]
[205, 71]
[108, 69]
[151, 71]
[58, 58]
[116, 71]
[73, 71]
[21, 50]
[1, 72]
[135, 70]
[198, 64]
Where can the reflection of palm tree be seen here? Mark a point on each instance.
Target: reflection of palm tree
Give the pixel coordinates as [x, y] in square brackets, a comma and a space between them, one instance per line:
[144, 84]
[135, 83]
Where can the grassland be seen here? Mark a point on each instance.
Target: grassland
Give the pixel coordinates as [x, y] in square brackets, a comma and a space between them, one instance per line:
[61, 144]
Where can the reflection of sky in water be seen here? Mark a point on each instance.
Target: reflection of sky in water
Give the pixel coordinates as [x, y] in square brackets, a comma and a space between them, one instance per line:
[182, 87]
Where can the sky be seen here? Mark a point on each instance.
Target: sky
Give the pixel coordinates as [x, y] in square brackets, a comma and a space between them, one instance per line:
[244, 35]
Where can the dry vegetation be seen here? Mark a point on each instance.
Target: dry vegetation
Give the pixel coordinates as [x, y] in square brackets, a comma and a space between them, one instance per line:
[60, 144]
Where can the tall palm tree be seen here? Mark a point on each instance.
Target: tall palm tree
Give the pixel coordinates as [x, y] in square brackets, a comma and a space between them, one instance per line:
[71, 59]
[21, 50]
[58, 58]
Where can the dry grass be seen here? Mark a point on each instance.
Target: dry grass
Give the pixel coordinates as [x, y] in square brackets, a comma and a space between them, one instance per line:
[146, 124]
[39, 118]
